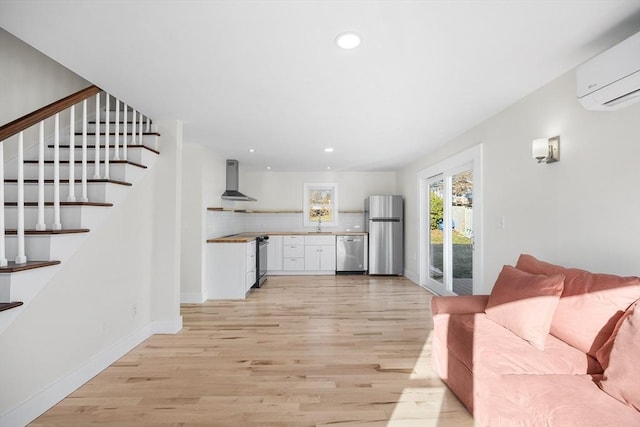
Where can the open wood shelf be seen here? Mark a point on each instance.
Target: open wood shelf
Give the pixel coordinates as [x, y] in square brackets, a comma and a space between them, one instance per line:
[271, 211]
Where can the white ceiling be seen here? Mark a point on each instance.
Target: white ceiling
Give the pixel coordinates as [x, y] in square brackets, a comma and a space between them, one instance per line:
[267, 75]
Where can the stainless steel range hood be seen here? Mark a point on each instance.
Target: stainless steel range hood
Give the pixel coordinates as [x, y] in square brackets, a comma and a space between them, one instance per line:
[232, 193]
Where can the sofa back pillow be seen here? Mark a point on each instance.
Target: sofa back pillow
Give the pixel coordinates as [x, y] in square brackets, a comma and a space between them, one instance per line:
[603, 353]
[590, 304]
[621, 378]
[525, 303]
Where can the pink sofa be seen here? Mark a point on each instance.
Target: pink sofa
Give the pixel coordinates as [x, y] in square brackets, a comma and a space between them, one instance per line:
[551, 346]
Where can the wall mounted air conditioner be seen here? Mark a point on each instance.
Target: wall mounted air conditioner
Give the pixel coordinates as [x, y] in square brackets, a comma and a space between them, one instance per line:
[611, 80]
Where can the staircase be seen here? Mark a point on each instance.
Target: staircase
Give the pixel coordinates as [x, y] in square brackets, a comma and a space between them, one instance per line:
[63, 185]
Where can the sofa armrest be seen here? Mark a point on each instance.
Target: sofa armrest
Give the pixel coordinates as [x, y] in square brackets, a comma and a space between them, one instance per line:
[463, 304]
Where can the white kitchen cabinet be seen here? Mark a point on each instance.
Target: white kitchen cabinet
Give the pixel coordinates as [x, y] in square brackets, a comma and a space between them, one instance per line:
[304, 254]
[274, 254]
[293, 253]
[320, 254]
[231, 269]
[320, 258]
[293, 264]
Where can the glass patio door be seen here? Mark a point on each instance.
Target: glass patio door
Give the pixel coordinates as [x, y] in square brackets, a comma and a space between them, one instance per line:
[436, 235]
[450, 232]
[462, 232]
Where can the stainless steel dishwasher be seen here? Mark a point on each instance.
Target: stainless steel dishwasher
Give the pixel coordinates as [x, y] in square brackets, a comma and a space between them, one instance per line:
[350, 254]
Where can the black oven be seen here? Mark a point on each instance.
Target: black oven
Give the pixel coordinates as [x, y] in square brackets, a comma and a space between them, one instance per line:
[261, 260]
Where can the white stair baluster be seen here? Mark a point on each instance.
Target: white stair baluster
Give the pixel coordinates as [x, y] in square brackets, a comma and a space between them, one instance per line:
[107, 131]
[56, 174]
[134, 115]
[141, 122]
[116, 154]
[148, 125]
[3, 253]
[41, 225]
[72, 155]
[96, 172]
[21, 257]
[83, 172]
[124, 133]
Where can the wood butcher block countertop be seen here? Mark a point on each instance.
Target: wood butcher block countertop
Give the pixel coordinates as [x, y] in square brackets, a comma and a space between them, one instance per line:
[247, 237]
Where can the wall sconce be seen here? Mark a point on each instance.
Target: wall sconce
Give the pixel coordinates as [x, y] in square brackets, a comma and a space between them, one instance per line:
[546, 150]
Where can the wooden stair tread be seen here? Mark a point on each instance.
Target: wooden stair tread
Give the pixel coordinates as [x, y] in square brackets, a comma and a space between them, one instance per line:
[29, 265]
[89, 163]
[8, 305]
[111, 122]
[112, 146]
[62, 204]
[121, 133]
[66, 181]
[48, 232]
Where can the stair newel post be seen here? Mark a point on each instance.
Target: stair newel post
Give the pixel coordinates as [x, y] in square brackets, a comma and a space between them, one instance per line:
[3, 254]
[40, 224]
[141, 123]
[56, 173]
[124, 133]
[96, 173]
[83, 172]
[72, 154]
[116, 153]
[148, 127]
[21, 258]
[107, 131]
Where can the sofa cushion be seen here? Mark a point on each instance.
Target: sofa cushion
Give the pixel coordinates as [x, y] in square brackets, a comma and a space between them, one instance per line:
[603, 353]
[459, 304]
[484, 346]
[590, 304]
[621, 378]
[525, 303]
[548, 400]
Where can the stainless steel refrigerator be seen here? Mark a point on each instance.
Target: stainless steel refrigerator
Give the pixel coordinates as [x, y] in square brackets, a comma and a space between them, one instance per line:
[383, 219]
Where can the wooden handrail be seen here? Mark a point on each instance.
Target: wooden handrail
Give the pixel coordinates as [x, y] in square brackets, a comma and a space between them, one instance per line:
[39, 115]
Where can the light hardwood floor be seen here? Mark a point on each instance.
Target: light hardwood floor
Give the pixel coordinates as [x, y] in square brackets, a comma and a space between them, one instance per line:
[300, 351]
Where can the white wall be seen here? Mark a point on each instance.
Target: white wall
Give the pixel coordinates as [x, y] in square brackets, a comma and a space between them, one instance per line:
[30, 80]
[582, 211]
[203, 181]
[165, 299]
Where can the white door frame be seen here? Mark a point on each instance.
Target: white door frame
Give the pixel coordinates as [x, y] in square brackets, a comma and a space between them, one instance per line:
[472, 156]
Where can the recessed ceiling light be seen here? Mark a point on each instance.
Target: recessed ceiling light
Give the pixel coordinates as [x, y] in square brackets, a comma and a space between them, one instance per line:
[348, 40]
[328, 168]
[268, 168]
[328, 150]
[251, 150]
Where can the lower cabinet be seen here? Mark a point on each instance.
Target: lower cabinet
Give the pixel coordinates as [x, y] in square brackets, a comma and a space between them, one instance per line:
[274, 254]
[320, 258]
[231, 269]
[305, 254]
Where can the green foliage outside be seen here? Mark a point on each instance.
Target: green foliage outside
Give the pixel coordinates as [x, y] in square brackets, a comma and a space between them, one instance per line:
[437, 210]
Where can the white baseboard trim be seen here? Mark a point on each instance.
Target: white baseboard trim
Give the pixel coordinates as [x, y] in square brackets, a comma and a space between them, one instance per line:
[192, 298]
[32, 408]
[167, 326]
[412, 276]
